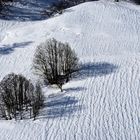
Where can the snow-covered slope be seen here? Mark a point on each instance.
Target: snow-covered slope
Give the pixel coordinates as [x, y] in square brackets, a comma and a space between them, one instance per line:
[103, 102]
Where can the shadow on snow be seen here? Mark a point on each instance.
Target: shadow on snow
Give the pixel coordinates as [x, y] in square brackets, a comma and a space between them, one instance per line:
[94, 70]
[60, 106]
[8, 49]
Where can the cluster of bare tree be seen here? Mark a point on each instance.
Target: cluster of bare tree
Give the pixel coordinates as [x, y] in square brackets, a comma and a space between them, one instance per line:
[61, 5]
[18, 96]
[3, 3]
[136, 1]
[56, 8]
[55, 62]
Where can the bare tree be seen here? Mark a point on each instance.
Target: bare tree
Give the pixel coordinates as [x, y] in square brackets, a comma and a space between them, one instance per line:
[55, 62]
[38, 100]
[17, 95]
[3, 3]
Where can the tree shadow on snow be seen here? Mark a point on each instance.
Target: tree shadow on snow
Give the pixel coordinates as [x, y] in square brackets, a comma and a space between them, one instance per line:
[74, 89]
[94, 70]
[8, 49]
[65, 91]
[60, 106]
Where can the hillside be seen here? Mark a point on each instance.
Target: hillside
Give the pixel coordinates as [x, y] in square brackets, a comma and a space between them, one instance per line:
[103, 102]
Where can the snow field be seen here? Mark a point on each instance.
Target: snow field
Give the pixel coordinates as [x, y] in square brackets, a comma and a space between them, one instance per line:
[103, 102]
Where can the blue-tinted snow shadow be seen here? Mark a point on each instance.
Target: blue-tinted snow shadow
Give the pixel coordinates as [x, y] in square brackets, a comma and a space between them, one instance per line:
[94, 70]
[8, 49]
[62, 101]
[74, 89]
[60, 105]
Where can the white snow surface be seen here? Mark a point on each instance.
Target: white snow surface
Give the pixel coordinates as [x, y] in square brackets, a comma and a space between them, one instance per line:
[103, 102]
